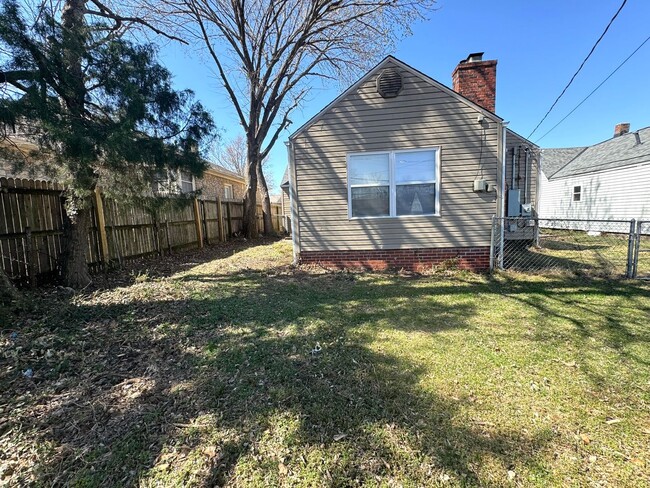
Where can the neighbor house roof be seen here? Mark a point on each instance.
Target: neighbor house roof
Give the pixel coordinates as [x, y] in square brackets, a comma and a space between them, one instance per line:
[555, 159]
[404, 66]
[625, 150]
[226, 173]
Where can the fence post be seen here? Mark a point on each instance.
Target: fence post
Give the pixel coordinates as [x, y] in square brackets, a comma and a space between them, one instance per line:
[197, 223]
[629, 272]
[31, 257]
[220, 220]
[637, 246]
[101, 226]
[494, 218]
[206, 230]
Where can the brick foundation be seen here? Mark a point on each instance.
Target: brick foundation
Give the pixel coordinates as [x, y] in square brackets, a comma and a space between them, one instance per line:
[471, 258]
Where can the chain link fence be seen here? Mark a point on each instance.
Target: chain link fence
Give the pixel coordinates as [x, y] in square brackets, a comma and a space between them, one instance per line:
[594, 247]
[641, 260]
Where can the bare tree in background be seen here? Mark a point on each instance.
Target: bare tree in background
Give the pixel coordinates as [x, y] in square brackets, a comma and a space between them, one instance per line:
[233, 156]
[266, 52]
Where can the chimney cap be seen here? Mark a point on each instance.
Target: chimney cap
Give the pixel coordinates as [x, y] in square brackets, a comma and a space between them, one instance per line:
[473, 58]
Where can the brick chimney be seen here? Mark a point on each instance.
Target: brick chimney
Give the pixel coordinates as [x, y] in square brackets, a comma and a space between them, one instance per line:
[477, 80]
[621, 129]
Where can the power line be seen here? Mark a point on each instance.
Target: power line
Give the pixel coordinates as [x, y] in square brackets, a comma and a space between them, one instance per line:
[594, 90]
[580, 68]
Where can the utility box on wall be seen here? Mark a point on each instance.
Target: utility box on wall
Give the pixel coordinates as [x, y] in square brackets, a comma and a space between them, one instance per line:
[514, 203]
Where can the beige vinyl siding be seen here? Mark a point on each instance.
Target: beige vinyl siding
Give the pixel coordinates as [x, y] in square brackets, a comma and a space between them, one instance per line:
[421, 116]
[513, 140]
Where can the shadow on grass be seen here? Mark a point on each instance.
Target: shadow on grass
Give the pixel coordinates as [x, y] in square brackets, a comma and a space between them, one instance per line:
[233, 363]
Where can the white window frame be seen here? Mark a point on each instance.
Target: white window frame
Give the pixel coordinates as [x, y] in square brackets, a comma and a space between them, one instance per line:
[180, 181]
[232, 191]
[392, 186]
[574, 193]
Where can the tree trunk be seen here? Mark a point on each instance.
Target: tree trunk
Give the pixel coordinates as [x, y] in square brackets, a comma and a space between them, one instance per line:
[77, 220]
[266, 201]
[75, 244]
[249, 220]
[8, 292]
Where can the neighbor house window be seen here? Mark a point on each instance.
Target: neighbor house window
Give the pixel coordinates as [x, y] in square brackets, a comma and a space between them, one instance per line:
[186, 182]
[394, 183]
[577, 193]
[227, 192]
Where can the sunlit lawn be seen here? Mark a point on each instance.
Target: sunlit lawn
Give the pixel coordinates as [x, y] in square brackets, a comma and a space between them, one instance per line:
[243, 371]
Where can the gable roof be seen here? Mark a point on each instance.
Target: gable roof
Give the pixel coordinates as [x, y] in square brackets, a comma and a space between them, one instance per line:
[387, 60]
[555, 159]
[625, 150]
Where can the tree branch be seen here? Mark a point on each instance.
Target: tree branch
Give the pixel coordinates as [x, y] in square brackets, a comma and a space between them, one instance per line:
[107, 13]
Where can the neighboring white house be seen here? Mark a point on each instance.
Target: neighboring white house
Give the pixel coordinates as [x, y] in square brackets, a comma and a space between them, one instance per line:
[609, 180]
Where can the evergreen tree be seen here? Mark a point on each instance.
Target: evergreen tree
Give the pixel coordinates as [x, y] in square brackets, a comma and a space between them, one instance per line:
[97, 105]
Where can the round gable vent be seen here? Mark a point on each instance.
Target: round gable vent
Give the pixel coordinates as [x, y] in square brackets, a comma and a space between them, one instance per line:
[389, 83]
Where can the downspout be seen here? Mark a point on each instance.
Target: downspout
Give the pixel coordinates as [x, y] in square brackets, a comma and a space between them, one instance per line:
[293, 203]
[538, 196]
[526, 150]
[504, 129]
[512, 174]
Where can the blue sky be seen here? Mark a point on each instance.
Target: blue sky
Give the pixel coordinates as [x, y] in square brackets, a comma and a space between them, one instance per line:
[538, 43]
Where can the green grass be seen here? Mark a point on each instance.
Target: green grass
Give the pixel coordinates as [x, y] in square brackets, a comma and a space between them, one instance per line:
[207, 377]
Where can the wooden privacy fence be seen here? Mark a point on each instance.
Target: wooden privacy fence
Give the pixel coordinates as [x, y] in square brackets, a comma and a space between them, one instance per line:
[31, 228]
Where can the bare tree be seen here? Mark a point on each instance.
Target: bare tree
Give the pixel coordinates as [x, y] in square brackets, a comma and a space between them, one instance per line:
[266, 52]
[232, 155]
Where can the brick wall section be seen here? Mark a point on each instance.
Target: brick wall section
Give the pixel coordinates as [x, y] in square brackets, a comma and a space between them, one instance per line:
[477, 80]
[470, 258]
[212, 186]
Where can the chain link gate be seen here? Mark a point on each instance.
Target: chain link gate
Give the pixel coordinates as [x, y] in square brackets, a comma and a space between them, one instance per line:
[641, 259]
[592, 247]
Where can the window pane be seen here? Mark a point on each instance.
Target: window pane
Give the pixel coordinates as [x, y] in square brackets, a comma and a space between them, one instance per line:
[415, 166]
[370, 201]
[186, 186]
[416, 199]
[371, 169]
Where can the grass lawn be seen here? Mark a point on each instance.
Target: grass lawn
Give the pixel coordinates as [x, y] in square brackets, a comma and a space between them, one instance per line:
[229, 367]
[603, 255]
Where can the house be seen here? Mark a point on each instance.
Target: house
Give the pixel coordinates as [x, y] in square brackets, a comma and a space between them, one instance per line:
[403, 171]
[285, 202]
[219, 181]
[609, 180]
[216, 180]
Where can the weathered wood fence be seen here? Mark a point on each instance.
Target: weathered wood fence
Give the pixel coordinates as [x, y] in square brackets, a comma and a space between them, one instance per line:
[32, 216]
